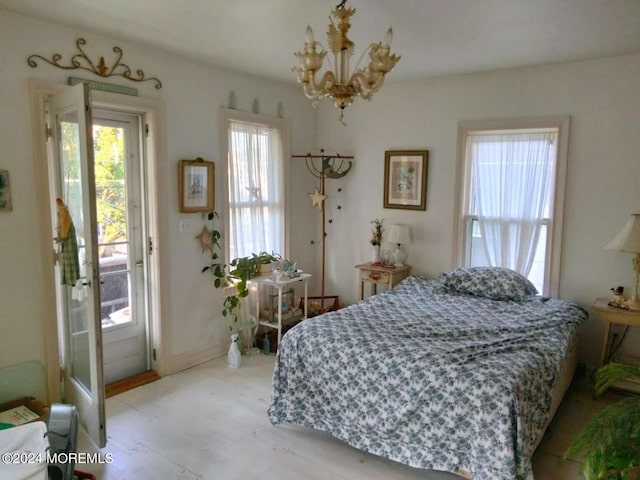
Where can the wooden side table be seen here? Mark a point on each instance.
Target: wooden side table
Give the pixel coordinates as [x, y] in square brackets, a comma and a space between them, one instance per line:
[378, 275]
[612, 315]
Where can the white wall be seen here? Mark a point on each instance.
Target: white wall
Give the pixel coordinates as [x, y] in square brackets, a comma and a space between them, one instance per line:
[602, 186]
[191, 94]
[603, 168]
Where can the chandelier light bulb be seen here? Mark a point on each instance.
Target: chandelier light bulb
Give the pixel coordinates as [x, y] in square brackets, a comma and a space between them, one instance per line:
[309, 35]
[388, 38]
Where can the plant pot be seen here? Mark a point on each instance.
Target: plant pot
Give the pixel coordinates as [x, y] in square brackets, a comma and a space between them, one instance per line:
[266, 268]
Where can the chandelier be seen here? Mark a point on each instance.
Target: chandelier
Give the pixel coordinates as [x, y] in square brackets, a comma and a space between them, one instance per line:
[342, 84]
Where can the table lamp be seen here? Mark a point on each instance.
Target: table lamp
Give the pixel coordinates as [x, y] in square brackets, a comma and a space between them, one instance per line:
[400, 235]
[628, 240]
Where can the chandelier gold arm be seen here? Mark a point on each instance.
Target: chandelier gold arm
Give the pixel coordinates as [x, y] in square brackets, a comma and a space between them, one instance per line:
[315, 91]
[366, 88]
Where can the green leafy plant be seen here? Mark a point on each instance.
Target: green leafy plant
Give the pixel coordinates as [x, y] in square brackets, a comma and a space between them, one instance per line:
[611, 441]
[236, 274]
[244, 269]
[219, 270]
[216, 267]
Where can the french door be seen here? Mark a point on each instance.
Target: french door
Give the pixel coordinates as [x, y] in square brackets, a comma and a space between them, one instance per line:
[119, 204]
[79, 297]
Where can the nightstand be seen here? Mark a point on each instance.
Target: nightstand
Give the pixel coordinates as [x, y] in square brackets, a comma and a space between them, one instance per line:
[612, 315]
[619, 316]
[271, 281]
[379, 275]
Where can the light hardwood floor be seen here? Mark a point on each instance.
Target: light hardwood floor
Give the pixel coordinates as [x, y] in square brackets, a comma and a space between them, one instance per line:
[210, 422]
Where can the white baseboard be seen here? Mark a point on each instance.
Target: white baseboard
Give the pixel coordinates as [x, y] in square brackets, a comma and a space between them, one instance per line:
[186, 360]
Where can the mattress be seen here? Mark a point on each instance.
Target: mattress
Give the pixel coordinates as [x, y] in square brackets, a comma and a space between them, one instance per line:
[430, 378]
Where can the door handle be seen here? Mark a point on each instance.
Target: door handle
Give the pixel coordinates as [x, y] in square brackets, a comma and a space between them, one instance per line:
[139, 263]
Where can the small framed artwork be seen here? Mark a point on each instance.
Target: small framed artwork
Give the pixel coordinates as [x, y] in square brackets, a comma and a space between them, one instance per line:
[196, 184]
[5, 191]
[405, 179]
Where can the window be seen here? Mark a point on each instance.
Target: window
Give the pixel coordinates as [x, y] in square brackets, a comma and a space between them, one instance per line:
[513, 196]
[255, 185]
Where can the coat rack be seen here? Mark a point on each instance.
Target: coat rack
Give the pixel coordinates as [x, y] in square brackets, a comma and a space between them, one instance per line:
[324, 166]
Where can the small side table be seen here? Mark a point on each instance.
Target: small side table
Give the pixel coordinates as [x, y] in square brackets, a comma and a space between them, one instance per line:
[379, 275]
[271, 281]
[611, 315]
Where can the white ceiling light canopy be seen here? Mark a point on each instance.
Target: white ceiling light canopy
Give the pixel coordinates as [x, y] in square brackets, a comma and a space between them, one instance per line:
[342, 84]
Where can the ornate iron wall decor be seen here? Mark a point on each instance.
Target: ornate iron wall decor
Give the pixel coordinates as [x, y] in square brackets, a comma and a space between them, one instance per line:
[81, 61]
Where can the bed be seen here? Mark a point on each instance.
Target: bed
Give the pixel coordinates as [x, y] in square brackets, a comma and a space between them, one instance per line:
[460, 374]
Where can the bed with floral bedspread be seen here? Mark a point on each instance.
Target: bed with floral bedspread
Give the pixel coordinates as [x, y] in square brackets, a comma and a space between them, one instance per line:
[430, 376]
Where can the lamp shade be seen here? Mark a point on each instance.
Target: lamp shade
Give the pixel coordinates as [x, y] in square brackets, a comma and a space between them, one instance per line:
[628, 240]
[400, 234]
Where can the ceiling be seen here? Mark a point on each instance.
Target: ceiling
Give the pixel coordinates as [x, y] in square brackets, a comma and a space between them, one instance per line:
[434, 37]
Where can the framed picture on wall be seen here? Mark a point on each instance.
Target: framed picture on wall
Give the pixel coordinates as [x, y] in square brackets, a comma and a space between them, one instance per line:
[196, 185]
[405, 179]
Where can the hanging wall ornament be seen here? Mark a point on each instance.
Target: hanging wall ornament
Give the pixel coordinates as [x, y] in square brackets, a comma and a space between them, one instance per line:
[338, 198]
[317, 199]
[80, 61]
[334, 206]
[206, 239]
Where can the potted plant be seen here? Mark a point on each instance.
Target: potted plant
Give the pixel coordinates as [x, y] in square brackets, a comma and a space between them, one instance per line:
[236, 274]
[611, 440]
[241, 271]
[265, 261]
[244, 269]
[376, 238]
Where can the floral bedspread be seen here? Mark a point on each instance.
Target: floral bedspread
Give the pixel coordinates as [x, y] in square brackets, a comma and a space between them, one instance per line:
[429, 378]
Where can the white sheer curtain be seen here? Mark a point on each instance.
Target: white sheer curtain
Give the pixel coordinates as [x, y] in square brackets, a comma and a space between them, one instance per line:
[256, 190]
[511, 188]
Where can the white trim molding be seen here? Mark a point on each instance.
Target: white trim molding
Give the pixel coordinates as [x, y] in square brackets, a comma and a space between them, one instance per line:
[284, 126]
[461, 190]
[152, 111]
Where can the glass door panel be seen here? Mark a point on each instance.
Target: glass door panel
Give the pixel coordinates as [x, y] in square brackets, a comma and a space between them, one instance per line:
[80, 299]
[77, 306]
[119, 210]
[112, 214]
